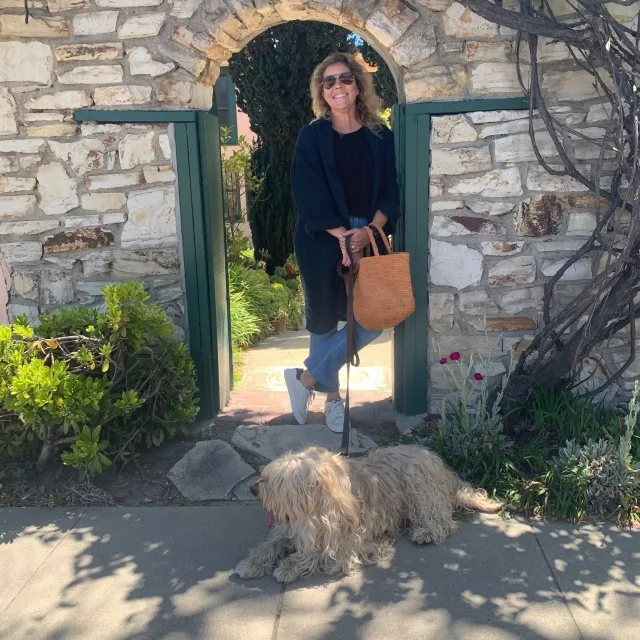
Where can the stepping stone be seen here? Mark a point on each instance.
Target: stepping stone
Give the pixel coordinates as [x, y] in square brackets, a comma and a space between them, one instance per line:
[273, 441]
[209, 471]
[241, 490]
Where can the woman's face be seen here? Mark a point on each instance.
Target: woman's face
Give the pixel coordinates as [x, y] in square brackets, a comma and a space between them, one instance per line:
[341, 97]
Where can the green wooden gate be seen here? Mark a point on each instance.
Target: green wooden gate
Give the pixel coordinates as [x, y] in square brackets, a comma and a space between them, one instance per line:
[412, 129]
[199, 180]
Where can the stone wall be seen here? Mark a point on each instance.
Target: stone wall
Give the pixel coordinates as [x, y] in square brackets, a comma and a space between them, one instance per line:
[500, 226]
[82, 205]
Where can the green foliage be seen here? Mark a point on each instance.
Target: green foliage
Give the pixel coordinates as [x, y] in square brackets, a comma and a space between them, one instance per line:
[257, 301]
[238, 178]
[102, 383]
[568, 458]
[272, 75]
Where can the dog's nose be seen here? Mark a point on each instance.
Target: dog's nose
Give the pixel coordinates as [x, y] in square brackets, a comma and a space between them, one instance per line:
[254, 489]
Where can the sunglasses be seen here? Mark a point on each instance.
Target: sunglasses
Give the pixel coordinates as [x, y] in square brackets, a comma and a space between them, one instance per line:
[345, 78]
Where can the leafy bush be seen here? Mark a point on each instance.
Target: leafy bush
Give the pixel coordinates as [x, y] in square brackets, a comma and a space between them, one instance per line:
[569, 457]
[101, 383]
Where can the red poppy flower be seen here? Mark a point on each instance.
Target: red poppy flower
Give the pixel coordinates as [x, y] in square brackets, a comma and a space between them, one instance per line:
[478, 376]
[455, 356]
[443, 361]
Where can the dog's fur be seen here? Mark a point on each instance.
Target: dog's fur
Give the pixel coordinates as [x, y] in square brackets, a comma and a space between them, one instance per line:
[333, 514]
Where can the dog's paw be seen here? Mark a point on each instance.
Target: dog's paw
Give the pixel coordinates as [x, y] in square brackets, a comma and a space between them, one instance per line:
[285, 573]
[247, 570]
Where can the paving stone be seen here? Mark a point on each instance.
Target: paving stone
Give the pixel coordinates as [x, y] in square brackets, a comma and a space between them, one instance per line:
[209, 471]
[273, 441]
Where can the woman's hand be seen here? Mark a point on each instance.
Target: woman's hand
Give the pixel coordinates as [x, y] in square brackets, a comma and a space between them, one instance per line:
[357, 254]
[358, 239]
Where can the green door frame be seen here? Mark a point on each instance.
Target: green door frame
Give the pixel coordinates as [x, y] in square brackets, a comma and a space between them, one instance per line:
[199, 181]
[412, 127]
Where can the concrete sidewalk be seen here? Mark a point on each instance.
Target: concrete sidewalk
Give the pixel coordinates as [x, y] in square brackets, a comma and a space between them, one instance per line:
[166, 573]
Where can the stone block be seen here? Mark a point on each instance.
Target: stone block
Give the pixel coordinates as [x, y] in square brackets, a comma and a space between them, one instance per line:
[17, 206]
[176, 89]
[142, 64]
[518, 300]
[580, 270]
[183, 58]
[460, 22]
[58, 192]
[498, 183]
[483, 117]
[477, 303]
[446, 205]
[273, 441]
[574, 86]
[435, 83]
[13, 185]
[55, 116]
[200, 42]
[492, 208]
[8, 110]
[143, 26]
[58, 130]
[113, 181]
[513, 272]
[452, 130]
[165, 145]
[184, 9]
[87, 51]
[136, 149]
[27, 227]
[79, 240]
[22, 146]
[97, 220]
[498, 77]
[122, 95]
[487, 51]
[441, 311]
[92, 74]
[14, 26]
[454, 265]
[154, 174]
[511, 324]
[60, 6]
[456, 161]
[25, 284]
[538, 179]
[443, 227]
[541, 216]
[56, 287]
[151, 222]
[518, 148]
[102, 202]
[82, 156]
[581, 224]
[26, 62]
[59, 100]
[15, 310]
[209, 471]
[95, 23]
[501, 248]
[417, 44]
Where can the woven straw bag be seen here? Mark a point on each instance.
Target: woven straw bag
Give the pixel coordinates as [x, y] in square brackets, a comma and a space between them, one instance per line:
[382, 292]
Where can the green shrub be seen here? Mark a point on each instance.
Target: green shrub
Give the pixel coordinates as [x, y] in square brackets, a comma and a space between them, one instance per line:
[101, 383]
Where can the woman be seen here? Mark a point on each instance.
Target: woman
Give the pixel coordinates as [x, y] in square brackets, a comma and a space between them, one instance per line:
[343, 177]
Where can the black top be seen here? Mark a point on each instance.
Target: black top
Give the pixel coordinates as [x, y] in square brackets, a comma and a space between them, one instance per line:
[321, 205]
[355, 167]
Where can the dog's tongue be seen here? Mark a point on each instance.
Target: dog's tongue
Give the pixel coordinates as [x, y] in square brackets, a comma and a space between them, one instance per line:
[270, 519]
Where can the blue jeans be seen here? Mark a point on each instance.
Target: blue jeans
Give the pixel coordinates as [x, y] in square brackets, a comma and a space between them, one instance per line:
[328, 352]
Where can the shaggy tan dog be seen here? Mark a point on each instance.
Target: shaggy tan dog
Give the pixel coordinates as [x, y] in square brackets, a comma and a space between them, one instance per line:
[333, 514]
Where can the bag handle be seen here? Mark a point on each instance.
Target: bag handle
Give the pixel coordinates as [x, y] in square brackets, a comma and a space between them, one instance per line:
[374, 244]
[352, 350]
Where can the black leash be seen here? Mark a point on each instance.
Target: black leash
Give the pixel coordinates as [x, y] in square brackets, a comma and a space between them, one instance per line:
[352, 350]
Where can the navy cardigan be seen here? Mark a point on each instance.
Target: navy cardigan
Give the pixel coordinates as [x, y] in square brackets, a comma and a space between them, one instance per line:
[321, 205]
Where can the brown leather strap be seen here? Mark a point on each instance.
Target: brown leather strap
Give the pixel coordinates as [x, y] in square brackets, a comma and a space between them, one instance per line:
[374, 244]
[352, 349]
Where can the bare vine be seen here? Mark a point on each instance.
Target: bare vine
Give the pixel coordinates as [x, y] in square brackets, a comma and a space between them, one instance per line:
[609, 51]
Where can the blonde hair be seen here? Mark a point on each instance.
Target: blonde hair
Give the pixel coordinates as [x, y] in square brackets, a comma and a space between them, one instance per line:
[367, 101]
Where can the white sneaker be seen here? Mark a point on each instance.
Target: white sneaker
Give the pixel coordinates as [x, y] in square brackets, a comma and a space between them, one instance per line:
[334, 414]
[299, 396]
